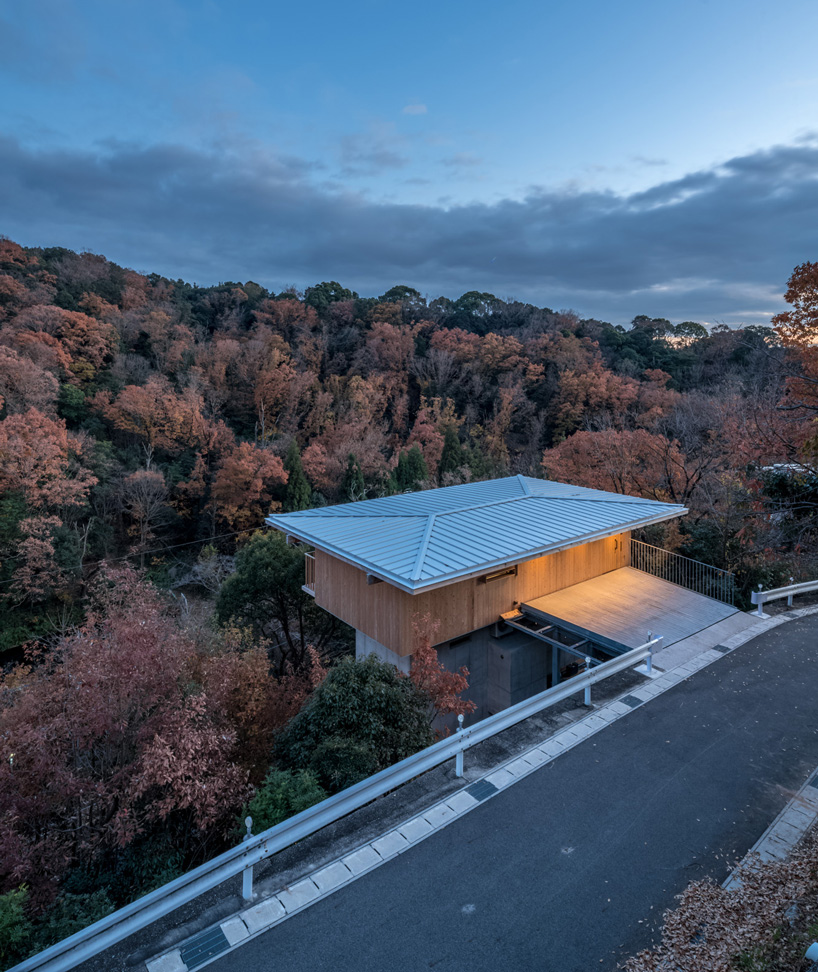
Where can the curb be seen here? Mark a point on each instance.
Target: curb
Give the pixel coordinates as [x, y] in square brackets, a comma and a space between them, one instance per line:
[788, 828]
[212, 943]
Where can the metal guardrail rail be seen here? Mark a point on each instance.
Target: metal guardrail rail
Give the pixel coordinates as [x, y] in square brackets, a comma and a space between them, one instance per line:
[89, 942]
[760, 597]
[684, 571]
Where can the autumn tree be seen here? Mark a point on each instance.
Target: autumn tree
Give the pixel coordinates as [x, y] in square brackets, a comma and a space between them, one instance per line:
[245, 485]
[797, 329]
[632, 462]
[443, 687]
[132, 737]
[41, 465]
[145, 500]
[24, 384]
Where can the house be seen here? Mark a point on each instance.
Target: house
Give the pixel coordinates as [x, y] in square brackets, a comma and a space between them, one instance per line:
[485, 561]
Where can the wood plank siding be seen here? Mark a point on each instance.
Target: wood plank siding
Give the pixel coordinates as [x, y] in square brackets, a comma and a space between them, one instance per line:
[385, 613]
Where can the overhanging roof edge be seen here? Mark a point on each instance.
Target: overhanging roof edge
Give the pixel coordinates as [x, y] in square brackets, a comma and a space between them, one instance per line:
[407, 585]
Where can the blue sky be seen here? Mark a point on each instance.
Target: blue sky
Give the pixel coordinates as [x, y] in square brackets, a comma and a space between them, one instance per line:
[617, 159]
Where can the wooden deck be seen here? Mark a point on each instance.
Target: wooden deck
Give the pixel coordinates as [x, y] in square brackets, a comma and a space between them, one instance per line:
[624, 605]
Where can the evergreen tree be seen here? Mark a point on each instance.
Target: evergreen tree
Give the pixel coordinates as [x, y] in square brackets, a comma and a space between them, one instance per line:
[478, 463]
[452, 457]
[353, 486]
[417, 469]
[299, 493]
[401, 474]
[411, 471]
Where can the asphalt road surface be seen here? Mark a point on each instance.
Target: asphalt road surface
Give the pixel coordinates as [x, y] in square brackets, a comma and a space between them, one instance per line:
[569, 869]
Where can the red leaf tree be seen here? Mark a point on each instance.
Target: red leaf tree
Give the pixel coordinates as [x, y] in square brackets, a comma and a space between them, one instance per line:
[443, 687]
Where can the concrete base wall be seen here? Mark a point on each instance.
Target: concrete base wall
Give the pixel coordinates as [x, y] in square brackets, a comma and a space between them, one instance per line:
[364, 645]
[502, 671]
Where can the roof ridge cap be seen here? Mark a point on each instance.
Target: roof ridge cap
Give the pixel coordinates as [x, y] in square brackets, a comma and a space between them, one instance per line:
[480, 506]
[521, 479]
[614, 497]
[424, 546]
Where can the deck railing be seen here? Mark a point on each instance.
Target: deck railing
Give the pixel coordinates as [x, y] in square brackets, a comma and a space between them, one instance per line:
[692, 574]
[309, 574]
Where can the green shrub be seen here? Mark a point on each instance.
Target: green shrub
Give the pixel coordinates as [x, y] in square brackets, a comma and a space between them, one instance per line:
[15, 927]
[339, 762]
[366, 701]
[146, 864]
[283, 794]
[69, 914]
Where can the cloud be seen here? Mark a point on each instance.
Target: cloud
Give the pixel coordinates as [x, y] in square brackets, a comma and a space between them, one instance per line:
[717, 244]
[462, 160]
[369, 154]
[415, 110]
[651, 163]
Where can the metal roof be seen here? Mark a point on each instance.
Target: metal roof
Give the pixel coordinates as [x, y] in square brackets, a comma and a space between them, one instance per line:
[419, 541]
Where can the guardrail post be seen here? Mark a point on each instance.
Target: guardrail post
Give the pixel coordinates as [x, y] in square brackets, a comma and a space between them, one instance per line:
[588, 686]
[458, 759]
[760, 603]
[247, 873]
[789, 599]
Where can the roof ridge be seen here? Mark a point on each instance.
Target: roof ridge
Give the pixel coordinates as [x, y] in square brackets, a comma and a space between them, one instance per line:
[480, 506]
[523, 481]
[424, 546]
[615, 497]
[320, 511]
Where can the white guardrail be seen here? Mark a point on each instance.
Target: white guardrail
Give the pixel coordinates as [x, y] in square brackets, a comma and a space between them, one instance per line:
[106, 932]
[760, 597]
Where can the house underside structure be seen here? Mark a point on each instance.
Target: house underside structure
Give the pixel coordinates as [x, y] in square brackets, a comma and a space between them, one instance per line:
[522, 581]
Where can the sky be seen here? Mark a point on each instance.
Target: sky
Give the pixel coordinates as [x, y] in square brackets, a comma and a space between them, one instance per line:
[610, 158]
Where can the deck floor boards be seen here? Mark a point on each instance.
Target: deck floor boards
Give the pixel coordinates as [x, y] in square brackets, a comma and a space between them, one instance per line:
[625, 604]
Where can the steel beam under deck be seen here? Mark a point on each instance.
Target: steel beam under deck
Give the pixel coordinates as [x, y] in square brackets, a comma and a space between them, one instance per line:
[539, 634]
[532, 623]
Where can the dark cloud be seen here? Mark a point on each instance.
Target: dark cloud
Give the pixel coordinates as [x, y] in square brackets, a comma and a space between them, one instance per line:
[714, 245]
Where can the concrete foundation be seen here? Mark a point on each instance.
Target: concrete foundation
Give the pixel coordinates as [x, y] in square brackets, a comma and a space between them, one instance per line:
[502, 671]
[364, 645]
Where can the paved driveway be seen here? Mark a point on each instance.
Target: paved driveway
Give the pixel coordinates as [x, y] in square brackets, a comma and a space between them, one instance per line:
[569, 869]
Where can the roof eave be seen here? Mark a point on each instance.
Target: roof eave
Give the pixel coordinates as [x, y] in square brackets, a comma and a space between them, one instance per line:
[446, 579]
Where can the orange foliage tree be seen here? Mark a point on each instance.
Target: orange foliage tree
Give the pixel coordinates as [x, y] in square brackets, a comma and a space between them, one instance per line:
[444, 688]
[244, 485]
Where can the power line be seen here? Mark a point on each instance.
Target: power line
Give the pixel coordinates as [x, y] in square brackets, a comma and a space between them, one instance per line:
[156, 550]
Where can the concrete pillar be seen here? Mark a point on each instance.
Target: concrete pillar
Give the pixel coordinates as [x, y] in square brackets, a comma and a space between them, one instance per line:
[364, 645]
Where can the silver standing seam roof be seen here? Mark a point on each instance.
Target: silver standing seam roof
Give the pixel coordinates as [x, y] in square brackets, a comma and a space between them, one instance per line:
[420, 541]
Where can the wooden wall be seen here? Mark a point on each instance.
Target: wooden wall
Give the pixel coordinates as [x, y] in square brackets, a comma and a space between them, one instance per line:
[385, 613]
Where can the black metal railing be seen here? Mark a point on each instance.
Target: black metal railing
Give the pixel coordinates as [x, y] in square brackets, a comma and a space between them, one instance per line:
[692, 574]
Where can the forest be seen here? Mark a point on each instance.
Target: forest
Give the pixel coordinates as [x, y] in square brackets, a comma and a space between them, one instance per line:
[163, 672]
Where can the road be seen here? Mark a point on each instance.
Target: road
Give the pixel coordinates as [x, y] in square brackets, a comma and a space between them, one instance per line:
[570, 869]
